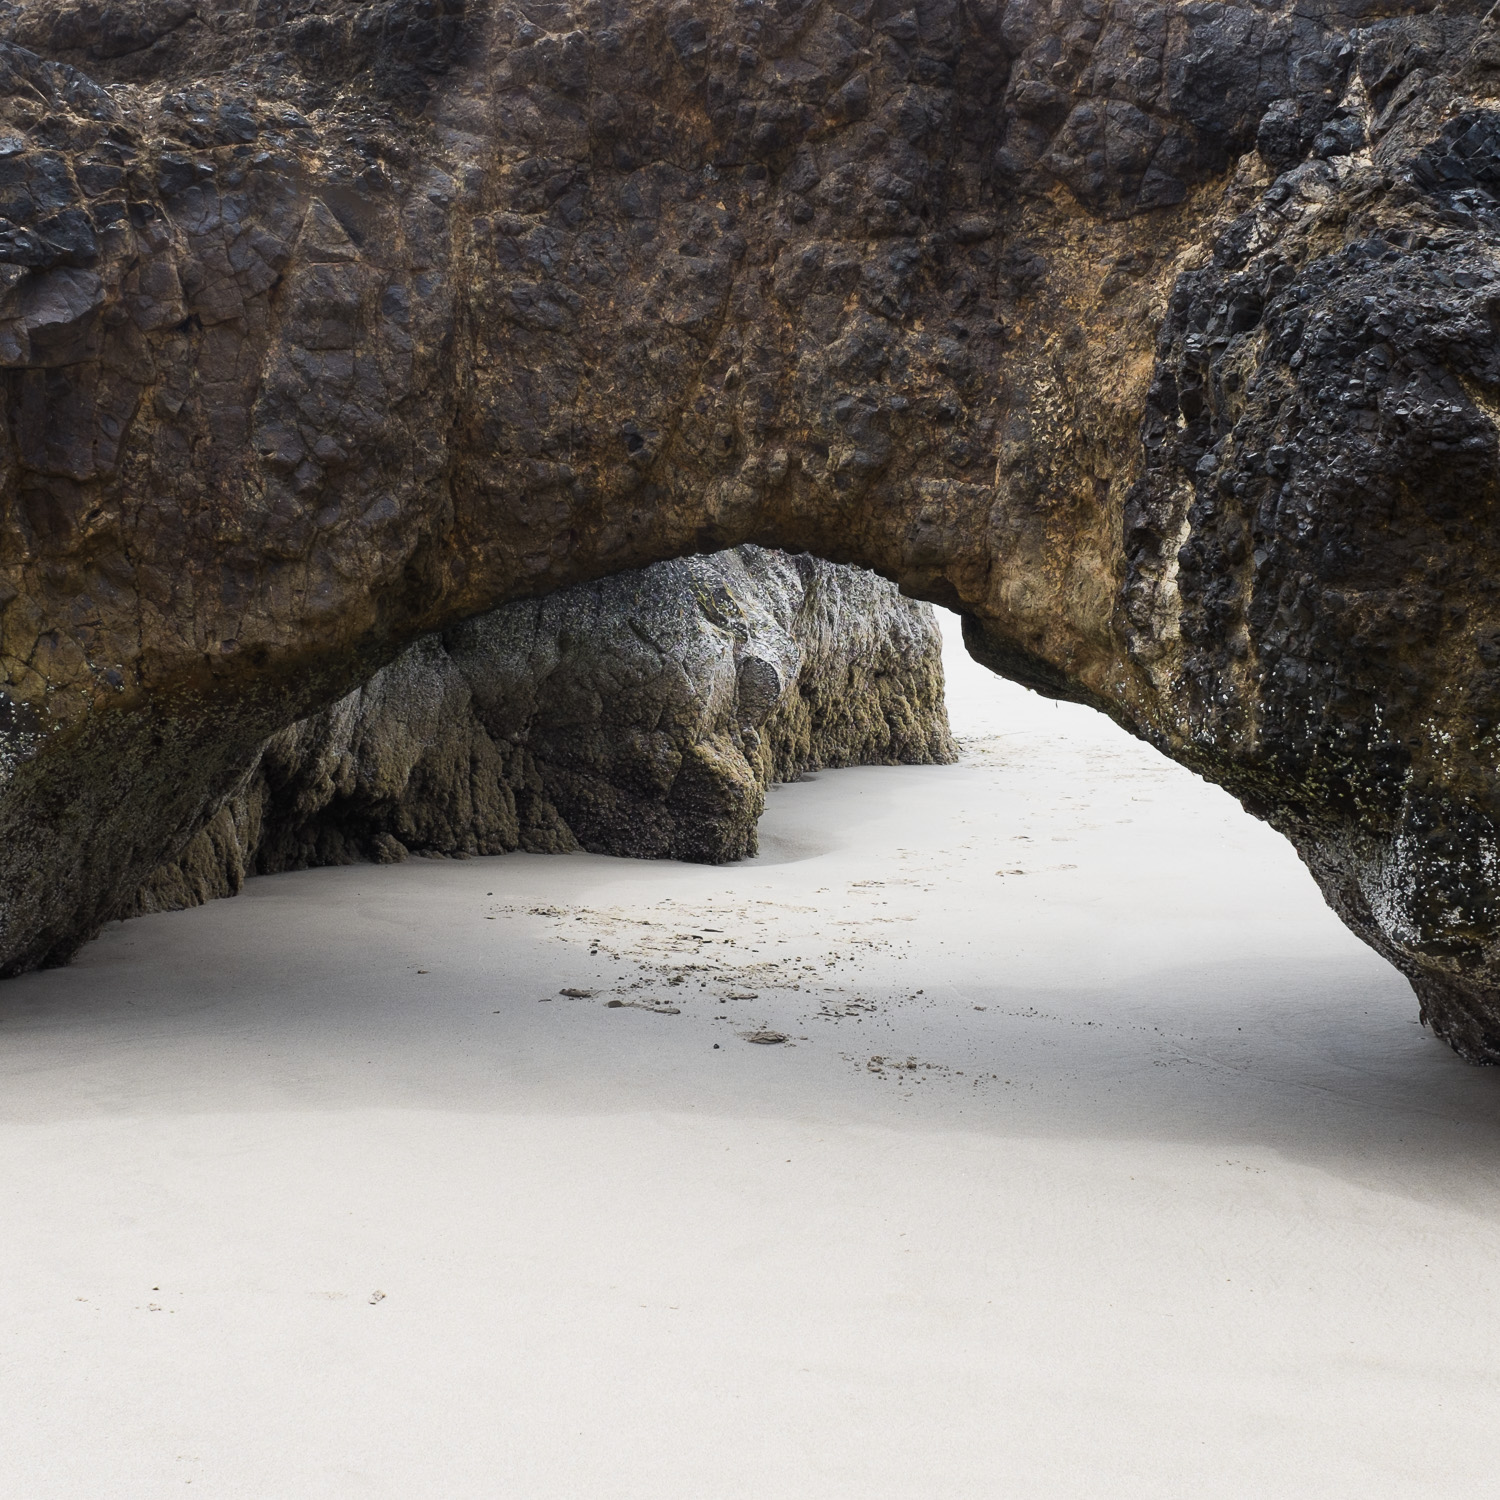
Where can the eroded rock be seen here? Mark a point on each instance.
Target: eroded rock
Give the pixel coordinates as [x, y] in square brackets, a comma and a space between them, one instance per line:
[1158, 340]
[644, 716]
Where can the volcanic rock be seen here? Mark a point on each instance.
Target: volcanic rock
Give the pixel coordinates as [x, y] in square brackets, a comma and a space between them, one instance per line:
[1159, 341]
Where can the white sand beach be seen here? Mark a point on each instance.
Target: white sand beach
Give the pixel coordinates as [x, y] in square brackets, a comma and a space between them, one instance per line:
[1098, 1160]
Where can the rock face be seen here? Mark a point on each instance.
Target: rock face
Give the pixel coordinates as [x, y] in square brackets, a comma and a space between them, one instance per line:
[644, 715]
[1160, 341]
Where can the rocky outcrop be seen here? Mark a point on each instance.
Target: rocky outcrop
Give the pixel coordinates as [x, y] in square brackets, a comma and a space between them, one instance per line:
[1159, 341]
[642, 716]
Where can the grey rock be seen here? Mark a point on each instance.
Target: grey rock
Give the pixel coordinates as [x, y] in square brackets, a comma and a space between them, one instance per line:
[643, 715]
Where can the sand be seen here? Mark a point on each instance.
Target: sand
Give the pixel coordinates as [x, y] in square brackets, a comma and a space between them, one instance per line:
[1099, 1160]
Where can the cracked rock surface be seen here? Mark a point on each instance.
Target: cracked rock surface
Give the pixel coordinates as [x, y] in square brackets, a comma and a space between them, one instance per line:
[644, 716]
[1158, 339]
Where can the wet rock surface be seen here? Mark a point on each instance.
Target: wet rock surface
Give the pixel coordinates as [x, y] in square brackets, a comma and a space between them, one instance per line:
[1158, 340]
[644, 715]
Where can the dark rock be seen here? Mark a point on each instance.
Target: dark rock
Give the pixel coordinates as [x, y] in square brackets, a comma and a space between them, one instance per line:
[1281, 137]
[325, 327]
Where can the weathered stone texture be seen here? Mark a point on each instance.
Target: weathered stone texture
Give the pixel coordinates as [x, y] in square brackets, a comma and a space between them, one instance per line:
[644, 715]
[1157, 339]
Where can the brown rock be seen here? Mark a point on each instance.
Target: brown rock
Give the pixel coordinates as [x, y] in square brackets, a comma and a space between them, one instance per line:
[1159, 341]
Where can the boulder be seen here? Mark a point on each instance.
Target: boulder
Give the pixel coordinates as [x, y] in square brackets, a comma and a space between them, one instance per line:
[643, 715]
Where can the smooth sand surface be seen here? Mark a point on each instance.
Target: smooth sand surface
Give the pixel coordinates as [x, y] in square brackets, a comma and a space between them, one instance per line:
[1100, 1161]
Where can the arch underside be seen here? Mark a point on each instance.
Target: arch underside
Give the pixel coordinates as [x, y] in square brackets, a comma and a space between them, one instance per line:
[1160, 344]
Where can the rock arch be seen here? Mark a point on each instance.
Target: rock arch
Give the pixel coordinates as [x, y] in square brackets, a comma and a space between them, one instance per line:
[1161, 342]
